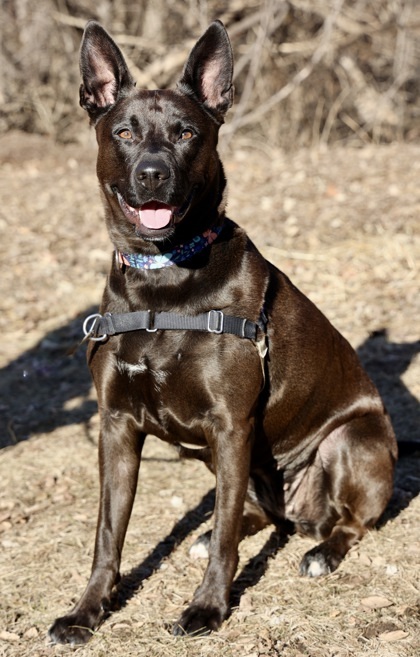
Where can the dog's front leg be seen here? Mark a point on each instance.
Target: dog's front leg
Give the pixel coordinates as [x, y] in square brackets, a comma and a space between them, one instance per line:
[119, 458]
[210, 605]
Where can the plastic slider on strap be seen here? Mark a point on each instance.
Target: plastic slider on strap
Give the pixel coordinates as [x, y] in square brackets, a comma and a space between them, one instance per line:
[151, 318]
[215, 321]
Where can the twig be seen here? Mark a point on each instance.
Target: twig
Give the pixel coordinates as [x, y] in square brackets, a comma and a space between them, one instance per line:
[255, 56]
[297, 80]
[356, 128]
[276, 21]
[122, 39]
[245, 24]
[72, 21]
[295, 255]
[11, 432]
[332, 114]
[148, 78]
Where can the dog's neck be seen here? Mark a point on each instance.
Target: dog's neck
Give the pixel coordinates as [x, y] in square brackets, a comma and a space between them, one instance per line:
[178, 255]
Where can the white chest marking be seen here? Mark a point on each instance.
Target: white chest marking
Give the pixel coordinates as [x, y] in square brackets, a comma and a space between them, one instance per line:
[132, 369]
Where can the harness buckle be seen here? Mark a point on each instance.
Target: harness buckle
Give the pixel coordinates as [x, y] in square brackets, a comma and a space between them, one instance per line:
[88, 329]
[215, 317]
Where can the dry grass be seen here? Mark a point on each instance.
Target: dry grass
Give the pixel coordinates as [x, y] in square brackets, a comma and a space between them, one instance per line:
[48, 549]
[343, 224]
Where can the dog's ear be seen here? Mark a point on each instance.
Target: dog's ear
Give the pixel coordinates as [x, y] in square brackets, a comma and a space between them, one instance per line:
[104, 72]
[208, 72]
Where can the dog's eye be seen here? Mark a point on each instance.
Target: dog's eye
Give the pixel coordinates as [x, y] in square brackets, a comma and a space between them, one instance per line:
[125, 134]
[186, 134]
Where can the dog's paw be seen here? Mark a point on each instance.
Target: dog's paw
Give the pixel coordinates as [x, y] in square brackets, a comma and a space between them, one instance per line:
[74, 629]
[319, 561]
[200, 548]
[198, 621]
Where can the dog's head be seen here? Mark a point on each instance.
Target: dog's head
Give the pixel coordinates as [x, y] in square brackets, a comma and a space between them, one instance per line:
[157, 161]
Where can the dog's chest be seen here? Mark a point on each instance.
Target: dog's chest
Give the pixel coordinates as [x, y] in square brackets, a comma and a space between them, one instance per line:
[148, 387]
[148, 367]
[163, 381]
[143, 373]
[176, 383]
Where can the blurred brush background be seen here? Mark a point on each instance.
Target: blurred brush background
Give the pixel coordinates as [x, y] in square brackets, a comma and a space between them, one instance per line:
[307, 72]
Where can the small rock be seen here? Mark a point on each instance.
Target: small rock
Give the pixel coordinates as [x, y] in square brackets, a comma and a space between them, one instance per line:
[364, 560]
[32, 633]
[245, 603]
[177, 502]
[391, 570]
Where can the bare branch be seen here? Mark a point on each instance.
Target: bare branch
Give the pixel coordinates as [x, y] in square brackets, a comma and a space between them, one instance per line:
[297, 80]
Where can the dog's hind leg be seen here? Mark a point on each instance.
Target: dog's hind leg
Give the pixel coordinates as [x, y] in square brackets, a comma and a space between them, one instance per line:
[355, 484]
[253, 520]
[264, 505]
[120, 447]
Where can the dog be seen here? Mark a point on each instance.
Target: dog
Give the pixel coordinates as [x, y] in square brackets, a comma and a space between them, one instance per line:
[203, 343]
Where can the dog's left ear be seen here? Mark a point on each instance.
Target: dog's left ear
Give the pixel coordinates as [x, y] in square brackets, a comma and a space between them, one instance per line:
[208, 72]
[105, 75]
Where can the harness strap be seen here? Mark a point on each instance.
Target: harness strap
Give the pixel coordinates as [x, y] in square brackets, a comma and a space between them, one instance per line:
[99, 327]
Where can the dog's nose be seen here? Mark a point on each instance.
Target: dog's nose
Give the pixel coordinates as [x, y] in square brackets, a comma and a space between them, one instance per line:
[152, 173]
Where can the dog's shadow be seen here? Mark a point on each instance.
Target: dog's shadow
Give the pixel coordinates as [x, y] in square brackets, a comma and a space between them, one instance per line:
[47, 386]
[250, 574]
[386, 362]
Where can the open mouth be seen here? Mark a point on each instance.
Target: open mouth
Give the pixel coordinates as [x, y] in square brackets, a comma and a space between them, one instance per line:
[152, 215]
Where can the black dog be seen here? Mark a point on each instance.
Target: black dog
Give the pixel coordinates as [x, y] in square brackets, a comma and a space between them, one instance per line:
[190, 308]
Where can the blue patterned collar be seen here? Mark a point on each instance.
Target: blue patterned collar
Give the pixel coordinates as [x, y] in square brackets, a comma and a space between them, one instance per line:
[174, 257]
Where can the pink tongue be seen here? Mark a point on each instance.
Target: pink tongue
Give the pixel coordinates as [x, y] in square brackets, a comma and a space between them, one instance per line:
[155, 215]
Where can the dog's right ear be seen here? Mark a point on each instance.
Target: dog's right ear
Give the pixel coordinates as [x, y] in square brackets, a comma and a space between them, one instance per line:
[105, 75]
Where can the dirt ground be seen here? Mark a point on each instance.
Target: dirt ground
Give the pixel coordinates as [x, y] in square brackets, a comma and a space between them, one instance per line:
[344, 225]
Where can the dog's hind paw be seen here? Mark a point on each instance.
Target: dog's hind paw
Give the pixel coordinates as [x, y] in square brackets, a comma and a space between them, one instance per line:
[319, 561]
[200, 548]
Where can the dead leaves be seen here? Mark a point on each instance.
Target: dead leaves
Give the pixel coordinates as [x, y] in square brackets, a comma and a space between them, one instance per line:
[384, 630]
[393, 635]
[10, 637]
[376, 602]
[37, 499]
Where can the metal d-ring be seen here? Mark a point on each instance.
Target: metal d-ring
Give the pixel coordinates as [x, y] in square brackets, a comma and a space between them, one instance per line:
[88, 330]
